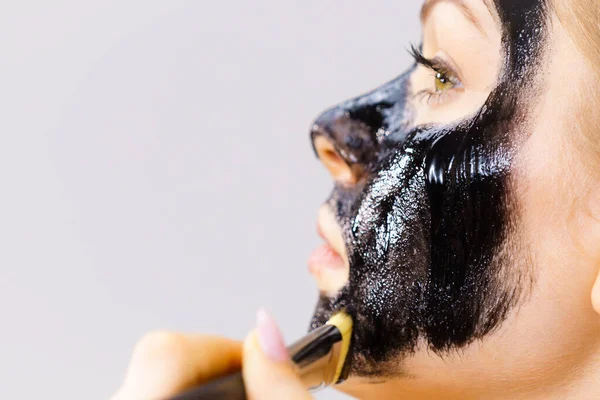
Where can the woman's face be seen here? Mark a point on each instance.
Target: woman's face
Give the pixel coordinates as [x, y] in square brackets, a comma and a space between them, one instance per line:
[464, 218]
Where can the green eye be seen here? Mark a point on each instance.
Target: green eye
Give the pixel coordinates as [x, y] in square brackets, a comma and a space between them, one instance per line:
[442, 82]
[445, 79]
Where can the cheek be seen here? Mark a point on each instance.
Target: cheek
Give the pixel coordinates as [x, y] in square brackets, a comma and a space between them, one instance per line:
[553, 181]
[547, 178]
[541, 188]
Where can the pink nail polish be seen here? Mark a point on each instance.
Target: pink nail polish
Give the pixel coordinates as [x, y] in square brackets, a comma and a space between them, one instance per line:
[269, 337]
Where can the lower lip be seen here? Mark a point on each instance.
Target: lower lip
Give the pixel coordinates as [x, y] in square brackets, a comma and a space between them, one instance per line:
[324, 257]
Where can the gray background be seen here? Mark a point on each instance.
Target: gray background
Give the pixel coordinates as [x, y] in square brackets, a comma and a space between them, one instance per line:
[156, 171]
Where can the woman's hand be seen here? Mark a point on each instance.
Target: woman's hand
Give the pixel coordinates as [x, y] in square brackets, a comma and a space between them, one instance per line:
[164, 364]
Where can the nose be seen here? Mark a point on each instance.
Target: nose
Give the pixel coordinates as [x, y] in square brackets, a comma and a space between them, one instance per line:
[349, 137]
[345, 145]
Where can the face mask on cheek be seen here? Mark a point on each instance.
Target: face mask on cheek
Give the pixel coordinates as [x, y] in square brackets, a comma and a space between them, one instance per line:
[429, 228]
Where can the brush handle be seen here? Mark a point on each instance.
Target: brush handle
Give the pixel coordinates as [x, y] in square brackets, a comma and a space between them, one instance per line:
[230, 387]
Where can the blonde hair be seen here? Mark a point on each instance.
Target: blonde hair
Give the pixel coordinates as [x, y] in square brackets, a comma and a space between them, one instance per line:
[581, 20]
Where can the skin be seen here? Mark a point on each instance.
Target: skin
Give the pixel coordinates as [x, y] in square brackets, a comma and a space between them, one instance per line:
[547, 343]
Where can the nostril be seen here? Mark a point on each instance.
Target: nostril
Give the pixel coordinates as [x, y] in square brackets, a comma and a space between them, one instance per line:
[335, 164]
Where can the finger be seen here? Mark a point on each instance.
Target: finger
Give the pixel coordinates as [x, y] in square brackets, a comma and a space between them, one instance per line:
[164, 364]
[267, 369]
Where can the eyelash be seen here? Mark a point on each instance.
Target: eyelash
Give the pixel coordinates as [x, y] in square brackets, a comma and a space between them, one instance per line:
[443, 71]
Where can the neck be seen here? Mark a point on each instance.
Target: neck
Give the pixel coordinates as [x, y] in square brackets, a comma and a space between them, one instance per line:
[569, 380]
[580, 382]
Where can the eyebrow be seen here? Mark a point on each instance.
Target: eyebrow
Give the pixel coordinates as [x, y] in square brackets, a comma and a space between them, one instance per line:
[467, 11]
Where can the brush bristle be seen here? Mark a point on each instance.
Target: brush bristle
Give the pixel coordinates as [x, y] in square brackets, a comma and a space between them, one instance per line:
[343, 322]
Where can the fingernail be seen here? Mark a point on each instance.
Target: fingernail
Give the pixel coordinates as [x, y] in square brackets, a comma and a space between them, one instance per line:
[269, 337]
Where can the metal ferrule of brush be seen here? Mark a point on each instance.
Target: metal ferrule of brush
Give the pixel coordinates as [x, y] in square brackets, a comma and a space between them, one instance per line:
[316, 356]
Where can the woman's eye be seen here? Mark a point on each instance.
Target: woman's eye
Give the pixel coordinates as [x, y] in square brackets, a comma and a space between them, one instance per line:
[444, 79]
[443, 82]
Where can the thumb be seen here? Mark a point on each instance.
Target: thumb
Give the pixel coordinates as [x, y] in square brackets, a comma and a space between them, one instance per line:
[267, 369]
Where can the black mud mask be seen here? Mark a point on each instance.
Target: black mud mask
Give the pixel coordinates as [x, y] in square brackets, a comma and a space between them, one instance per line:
[428, 226]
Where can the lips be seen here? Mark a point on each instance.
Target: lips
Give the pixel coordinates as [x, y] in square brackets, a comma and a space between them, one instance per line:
[328, 263]
[325, 256]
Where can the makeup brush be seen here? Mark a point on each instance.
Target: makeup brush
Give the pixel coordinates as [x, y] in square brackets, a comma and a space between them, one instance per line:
[320, 358]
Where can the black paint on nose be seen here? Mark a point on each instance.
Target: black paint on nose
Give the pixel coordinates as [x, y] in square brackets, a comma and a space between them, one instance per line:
[353, 139]
[357, 128]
